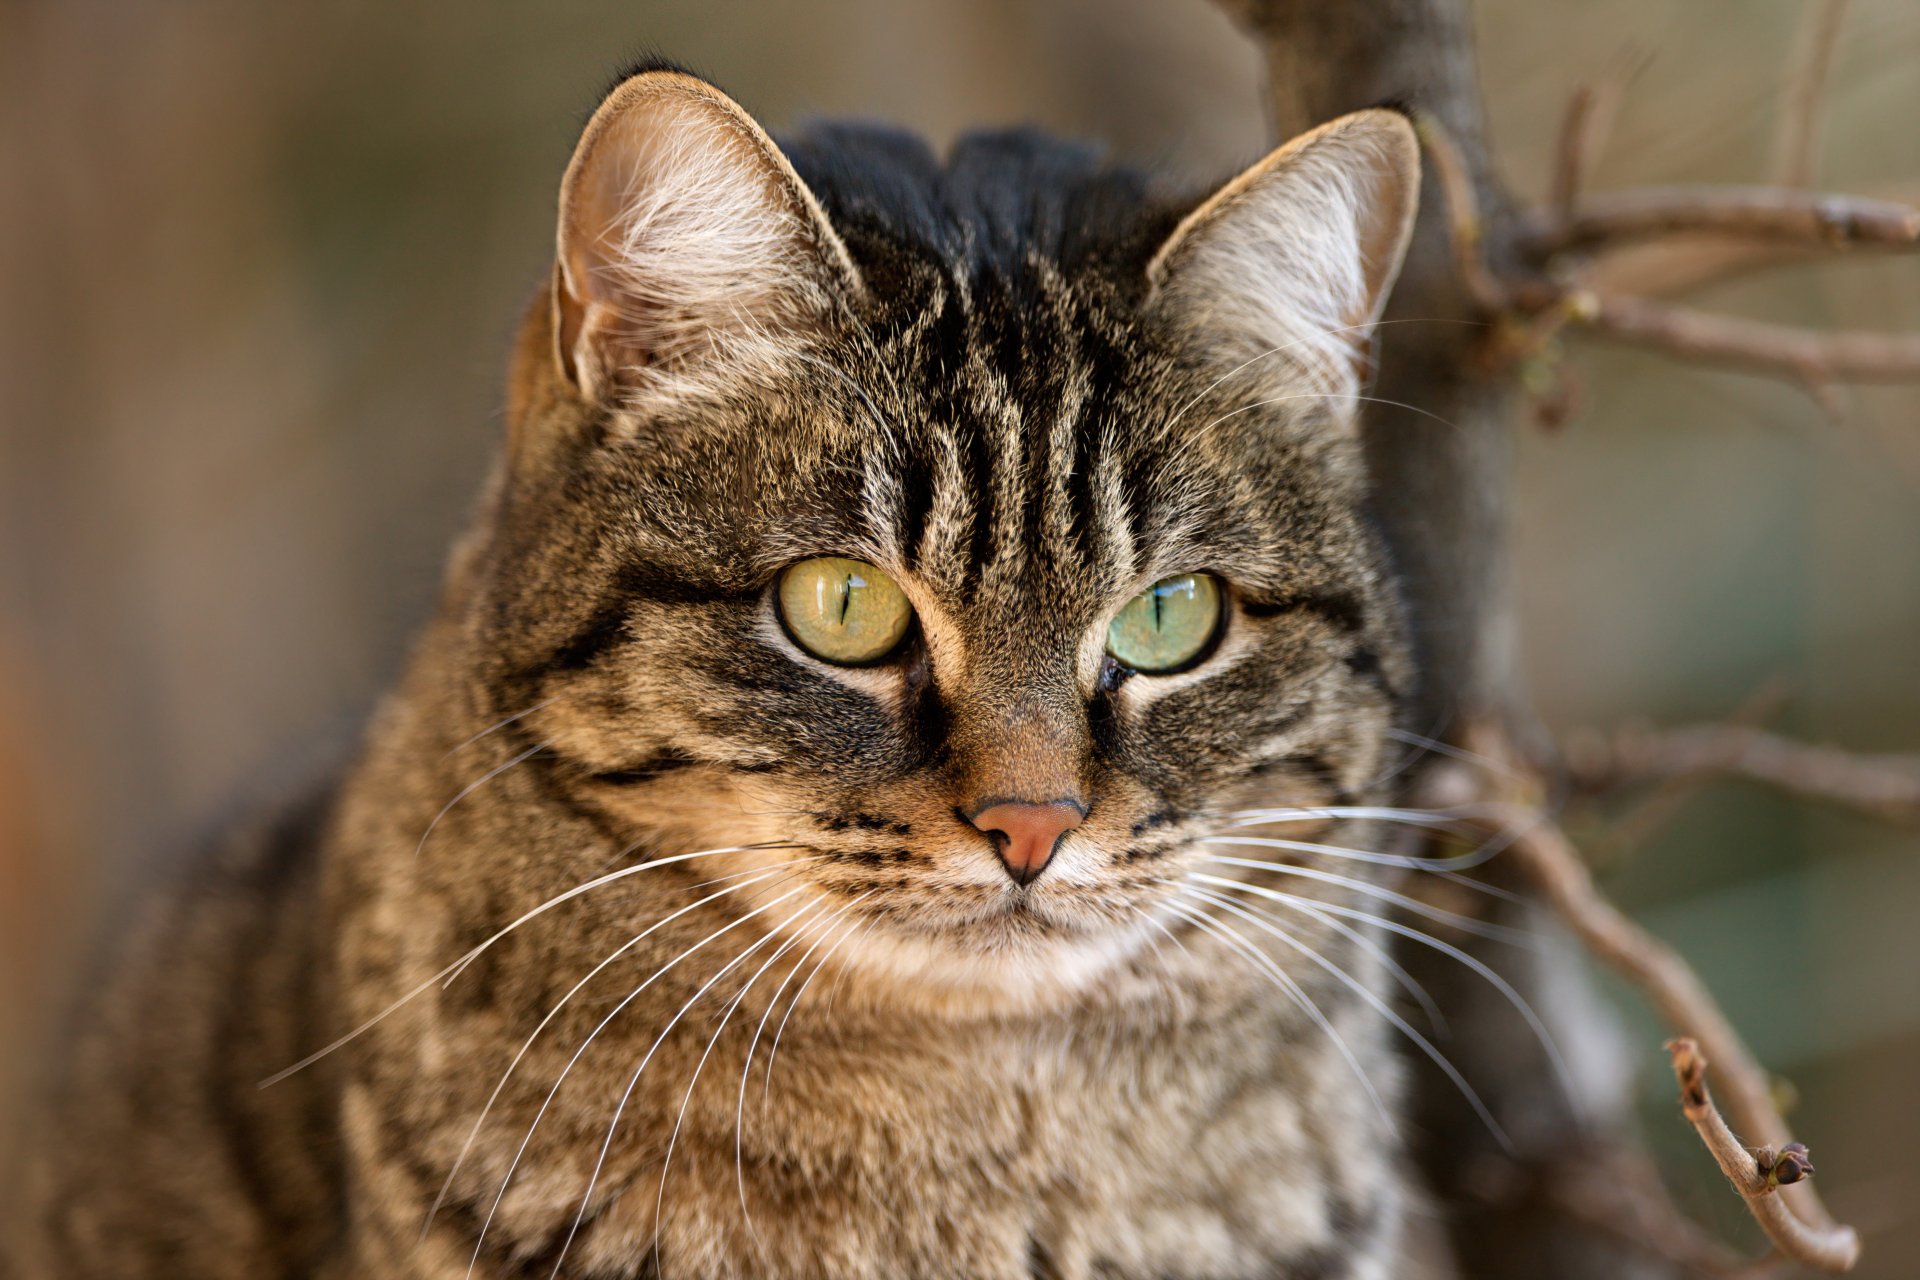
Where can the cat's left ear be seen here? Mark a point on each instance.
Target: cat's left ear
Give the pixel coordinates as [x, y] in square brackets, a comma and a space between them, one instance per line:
[1296, 255]
[691, 255]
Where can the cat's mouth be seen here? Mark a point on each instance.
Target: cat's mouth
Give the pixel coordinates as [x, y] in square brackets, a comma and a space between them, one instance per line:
[1022, 914]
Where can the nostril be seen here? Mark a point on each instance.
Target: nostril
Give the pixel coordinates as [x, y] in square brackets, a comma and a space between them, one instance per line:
[1025, 833]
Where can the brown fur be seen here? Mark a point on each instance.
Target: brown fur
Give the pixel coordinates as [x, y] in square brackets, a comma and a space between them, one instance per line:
[1067, 1080]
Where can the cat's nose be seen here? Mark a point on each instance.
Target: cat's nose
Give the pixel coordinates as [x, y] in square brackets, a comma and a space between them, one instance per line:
[1025, 833]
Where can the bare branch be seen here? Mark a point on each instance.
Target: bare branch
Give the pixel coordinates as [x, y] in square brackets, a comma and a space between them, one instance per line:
[1797, 154]
[1584, 130]
[1549, 860]
[1816, 360]
[1759, 1174]
[1618, 1190]
[1590, 755]
[1812, 219]
[1464, 226]
[1887, 786]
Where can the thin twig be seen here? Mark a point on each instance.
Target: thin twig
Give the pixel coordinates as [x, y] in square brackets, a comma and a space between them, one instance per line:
[1683, 1002]
[1574, 153]
[1814, 219]
[1586, 755]
[1797, 153]
[1585, 128]
[1618, 1190]
[1760, 1174]
[1464, 224]
[1887, 786]
[1816, 360]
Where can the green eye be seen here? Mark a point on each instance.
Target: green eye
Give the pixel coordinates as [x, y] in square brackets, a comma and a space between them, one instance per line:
[845, 611]
[1167, 626]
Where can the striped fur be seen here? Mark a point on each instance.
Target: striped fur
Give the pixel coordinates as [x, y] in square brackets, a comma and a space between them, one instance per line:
[1026, 385]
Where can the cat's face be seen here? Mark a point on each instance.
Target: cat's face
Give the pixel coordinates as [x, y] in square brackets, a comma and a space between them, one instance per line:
[975, 586]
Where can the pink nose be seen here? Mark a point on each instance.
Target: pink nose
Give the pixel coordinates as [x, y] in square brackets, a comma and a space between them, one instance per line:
[1025, 833]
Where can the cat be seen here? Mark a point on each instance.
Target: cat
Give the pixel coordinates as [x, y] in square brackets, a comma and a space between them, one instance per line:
[803, 843]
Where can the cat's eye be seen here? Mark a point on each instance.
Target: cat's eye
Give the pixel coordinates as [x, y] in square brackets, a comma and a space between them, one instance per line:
[845, 611]
[1169, 626]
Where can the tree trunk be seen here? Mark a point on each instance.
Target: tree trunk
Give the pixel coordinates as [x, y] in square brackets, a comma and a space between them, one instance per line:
[1441, 460]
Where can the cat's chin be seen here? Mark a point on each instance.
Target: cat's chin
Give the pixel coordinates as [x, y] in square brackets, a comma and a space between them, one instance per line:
[1010, 960]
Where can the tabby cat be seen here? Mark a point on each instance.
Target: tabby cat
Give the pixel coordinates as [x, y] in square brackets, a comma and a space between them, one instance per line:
[874, 800]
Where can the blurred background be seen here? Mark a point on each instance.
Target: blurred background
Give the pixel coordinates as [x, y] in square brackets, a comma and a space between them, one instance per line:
[263, 261]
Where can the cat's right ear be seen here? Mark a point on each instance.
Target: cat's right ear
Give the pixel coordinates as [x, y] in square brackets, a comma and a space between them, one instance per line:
[692, 259]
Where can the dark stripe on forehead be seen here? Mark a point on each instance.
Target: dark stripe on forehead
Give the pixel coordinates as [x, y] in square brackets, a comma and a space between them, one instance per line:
[1080, 503]
[916, 497]
[980, 472]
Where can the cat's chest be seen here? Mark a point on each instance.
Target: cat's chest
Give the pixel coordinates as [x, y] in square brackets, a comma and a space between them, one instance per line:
[1007, 1158]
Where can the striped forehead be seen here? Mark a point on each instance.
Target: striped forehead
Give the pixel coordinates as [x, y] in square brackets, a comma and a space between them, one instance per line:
[1015, 467]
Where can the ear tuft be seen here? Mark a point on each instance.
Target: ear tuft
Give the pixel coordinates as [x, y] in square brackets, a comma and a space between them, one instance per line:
[691, 256]
[1296, 256]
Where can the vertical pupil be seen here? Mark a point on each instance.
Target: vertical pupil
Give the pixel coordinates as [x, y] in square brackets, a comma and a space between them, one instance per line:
[846, 596]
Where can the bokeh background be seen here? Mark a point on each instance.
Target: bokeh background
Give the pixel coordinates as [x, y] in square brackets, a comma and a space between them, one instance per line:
[262, 262]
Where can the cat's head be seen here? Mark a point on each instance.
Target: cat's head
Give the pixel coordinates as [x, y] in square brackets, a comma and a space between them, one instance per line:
[976, 537]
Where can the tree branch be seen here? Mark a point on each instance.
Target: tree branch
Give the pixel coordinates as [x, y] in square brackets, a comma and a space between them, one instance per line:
[1797, 156]
[1556, 869]
[1777, 214]
[1618, 1190]
[1887, 786]
[1814, 359]
[1759, 1174]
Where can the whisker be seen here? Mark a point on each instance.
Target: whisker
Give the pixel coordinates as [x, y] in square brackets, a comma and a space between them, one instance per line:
[631, 996]
[1438, 819]
[1406, 981]
[726, 1016]
[1373, 1001]
[1407, 760]
[1181, 412]
[474, 786]
[746, 1067]
[453, 970]
[766, 1081]
[764, 873]
[498, 725]
[1477, 857]
[613, 1126]
[1452, 752]
[1500, 984]
[1324, 395]
[1265, 964]
[1499, 933]
[1442, 818]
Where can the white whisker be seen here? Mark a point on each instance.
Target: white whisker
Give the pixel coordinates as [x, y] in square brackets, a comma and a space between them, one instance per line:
[498, 725]
[726, 1016]
[566, 1070]
[1500, 984]
[474, 786]
[1499, 933]
[1280, 978]
[766, 1081]
[763, 873]
[1373, 1001]
[825, 925]
[613, 1126]
[1452, 752]
[1466, 860]
[453, 970]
